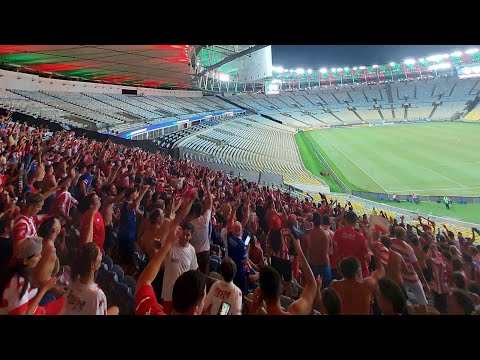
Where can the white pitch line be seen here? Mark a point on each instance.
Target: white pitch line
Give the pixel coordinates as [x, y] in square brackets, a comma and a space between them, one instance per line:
[463, 186]
[341, 152]
[456, 188]
[460, 163]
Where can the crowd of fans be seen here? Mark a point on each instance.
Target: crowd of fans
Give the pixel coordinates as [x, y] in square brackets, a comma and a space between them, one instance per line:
[200, 242]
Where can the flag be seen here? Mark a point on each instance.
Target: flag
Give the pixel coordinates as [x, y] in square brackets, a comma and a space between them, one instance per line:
[380, 224]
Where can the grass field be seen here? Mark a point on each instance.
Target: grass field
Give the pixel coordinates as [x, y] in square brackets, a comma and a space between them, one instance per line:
[428, 159]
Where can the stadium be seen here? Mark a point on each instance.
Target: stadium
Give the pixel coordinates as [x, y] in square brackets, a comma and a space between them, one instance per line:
[138, 134]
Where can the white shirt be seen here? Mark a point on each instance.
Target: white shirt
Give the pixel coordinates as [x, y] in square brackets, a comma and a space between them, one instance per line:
[221, 291]
[178, 260]
[223, 236]
[84, 299]
[200, 240]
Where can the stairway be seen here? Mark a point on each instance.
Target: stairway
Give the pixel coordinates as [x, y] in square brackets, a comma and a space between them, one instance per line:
[381, 115]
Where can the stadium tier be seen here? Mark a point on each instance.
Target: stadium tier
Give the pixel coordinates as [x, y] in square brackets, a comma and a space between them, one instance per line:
[127, 198]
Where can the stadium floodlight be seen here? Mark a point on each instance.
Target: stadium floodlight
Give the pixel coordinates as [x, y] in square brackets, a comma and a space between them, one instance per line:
[309, 71]
[471, 51]
[456, 54]
[224, 77]
[435, 58]
[392, 63]
[333, 69]
[441, 66]
[323, 70]
[374, 66]
[409, 61]
[300, 71]
[339, 69]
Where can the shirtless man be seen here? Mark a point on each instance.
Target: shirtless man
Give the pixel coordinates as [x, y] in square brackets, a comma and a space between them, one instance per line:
[106, 210]
[320, 248]
[270, 289]
[396, 265]
[49, 264]
[152, 232]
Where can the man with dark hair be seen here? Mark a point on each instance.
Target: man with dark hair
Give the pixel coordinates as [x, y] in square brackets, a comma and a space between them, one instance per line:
[201, 239]
[351, 243]
[127, 231]
[390, 297]
[63, 200]
[188, 294]
[89, 207]
[145, 298]
[238, 252]
[356, 295]
[412, 273]
[270, 289]
[460, 303]
[224, 297]
[180, 259]
[85, 181]
[26, 223]
[320, 247]
[395, 264]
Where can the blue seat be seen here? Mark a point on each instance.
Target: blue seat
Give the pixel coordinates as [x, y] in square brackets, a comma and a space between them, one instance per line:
[107, 260]
[130, 282]
[214, 265]
[119, 271]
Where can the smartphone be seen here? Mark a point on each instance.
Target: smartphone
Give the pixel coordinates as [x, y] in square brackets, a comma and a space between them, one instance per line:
[224, 308]
[247, 240]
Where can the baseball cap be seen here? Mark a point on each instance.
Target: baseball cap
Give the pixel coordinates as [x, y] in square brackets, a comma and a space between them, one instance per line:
[29, 247]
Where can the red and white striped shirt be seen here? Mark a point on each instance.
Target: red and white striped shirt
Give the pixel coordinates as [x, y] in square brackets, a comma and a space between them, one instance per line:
[409, 276]
[383, 252]
[11, 302]
[283, 252]
[63, 200]
[440, 276]
[23, 227]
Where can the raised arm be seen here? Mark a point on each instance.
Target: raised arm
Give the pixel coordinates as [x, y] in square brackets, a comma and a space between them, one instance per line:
[150, 272]
[138, 200]
[303, 306]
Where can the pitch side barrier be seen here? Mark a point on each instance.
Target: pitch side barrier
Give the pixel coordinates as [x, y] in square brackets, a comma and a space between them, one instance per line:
[413, 214]
[326, 164]
[431, 198]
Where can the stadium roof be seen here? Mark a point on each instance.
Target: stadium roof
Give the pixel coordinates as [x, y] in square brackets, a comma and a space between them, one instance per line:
[161, 66]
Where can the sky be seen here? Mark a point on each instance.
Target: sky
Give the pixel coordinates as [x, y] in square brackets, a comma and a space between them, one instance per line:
[317, 56]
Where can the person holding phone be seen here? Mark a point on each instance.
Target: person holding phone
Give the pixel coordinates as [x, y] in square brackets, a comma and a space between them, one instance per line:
[224, 297]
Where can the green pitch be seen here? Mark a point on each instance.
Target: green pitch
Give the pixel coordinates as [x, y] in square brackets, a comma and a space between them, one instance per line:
[428, 159]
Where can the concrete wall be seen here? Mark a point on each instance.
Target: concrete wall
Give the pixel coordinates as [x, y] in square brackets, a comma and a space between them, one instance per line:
[249, 175]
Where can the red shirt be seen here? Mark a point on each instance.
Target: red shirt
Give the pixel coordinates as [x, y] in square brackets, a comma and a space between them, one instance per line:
[146, 302]
[98, 228]
[351, 243]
